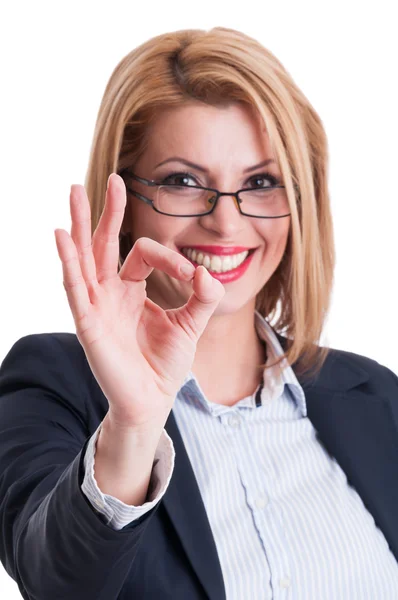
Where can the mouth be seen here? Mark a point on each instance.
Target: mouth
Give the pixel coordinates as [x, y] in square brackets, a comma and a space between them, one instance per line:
[224, 267]
[218, 250]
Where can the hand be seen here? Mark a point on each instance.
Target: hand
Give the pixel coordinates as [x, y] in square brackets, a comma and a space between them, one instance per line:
[138, 352]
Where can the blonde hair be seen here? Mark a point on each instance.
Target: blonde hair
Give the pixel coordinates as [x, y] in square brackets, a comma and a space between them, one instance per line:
[218, 67]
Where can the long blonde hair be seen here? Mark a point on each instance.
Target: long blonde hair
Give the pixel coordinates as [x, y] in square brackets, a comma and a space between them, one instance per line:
[220, 66]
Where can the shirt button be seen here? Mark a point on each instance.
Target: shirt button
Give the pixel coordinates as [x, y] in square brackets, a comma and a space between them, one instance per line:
[285, 582]
[261, 501]
[234, 421]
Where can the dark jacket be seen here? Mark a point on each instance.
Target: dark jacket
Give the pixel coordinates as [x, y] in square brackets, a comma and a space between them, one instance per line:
[55, 544]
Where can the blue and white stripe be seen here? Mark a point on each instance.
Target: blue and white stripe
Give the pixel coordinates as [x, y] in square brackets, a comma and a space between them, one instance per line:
[286, 523]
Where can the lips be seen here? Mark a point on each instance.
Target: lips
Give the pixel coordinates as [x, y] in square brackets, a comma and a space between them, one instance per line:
[220, 250]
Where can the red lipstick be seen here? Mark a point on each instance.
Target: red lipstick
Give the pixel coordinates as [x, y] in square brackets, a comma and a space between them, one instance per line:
[233, 274]
[220, 250]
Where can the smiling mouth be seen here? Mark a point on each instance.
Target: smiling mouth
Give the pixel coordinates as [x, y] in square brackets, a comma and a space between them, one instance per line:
[218, 263]
[224, 253]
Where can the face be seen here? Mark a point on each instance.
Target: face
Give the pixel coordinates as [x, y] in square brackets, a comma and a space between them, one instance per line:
[226, 141]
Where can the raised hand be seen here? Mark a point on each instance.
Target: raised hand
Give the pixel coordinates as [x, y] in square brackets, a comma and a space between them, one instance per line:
[138, 352]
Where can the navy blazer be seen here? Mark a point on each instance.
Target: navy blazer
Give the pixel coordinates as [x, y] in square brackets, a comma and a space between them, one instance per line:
[56, 545]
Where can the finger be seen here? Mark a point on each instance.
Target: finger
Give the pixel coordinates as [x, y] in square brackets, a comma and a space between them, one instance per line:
[81, 234]
[207, 293]
[74, 284]
[147, 254]
[106, 236]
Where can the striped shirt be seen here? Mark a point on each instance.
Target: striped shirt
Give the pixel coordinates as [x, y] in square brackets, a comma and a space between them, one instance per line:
[286, 523]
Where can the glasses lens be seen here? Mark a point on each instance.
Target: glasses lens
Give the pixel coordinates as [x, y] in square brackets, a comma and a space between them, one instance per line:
[265, 202]
[188, 200]
[183, 200]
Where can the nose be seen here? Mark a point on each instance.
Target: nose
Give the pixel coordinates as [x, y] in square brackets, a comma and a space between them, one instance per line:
[226, 218]
[236, 201]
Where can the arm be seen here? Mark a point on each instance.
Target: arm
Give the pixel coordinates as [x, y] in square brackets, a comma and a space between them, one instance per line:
[116, 513]
[54, 544]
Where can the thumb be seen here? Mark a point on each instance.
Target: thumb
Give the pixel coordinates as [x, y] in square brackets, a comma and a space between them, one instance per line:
[207, 293]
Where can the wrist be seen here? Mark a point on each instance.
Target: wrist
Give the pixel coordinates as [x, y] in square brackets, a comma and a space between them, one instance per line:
[125, 434]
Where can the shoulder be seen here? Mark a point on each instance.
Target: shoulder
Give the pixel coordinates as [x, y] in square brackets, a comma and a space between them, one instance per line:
[56, 364]
[376, 376]
[371, 365]
[342, 370]
[54, 350]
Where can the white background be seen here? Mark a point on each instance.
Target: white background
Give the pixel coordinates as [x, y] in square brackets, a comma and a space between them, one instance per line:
[55, 62]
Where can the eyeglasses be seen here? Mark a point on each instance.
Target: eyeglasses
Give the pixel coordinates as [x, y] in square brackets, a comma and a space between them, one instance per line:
[177, 200]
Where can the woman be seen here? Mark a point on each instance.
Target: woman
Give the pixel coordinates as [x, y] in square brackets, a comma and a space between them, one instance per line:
[178, 446]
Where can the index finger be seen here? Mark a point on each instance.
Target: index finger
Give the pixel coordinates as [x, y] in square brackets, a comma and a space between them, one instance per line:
[148, 254]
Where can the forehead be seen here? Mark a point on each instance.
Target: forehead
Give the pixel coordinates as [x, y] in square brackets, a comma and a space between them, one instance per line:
[198, 127]
[194, 112]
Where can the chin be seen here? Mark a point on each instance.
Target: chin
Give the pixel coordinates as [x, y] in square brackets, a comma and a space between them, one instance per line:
[231, 304]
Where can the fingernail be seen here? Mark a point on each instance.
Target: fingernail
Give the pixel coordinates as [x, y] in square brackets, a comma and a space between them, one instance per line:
[187, 270]
[209, 276]
[107, 184]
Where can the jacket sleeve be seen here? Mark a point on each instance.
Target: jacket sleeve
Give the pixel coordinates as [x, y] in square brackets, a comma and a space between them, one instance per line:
[116, 513]
[53, 542]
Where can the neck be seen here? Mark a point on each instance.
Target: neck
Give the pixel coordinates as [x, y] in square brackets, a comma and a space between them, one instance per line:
[228, 356]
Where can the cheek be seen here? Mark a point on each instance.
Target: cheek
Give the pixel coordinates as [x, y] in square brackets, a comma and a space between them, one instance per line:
[276, 241]
[283, 242]
[168, 231]
[138, 220]
[276, 234]
[145, 222]
[284, 235]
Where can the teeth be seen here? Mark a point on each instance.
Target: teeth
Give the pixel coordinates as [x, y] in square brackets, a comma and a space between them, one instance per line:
[216, 263]
[206, 262]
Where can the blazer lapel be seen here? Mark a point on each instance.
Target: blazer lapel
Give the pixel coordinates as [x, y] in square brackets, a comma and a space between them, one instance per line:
[187, 512]
[359, 431]
[354, 425]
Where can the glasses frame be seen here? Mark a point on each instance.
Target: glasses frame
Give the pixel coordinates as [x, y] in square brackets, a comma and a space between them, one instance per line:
[154, 183]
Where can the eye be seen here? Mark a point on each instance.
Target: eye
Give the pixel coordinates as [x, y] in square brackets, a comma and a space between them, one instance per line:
[270, 180]
[178, 178]
[262, 180]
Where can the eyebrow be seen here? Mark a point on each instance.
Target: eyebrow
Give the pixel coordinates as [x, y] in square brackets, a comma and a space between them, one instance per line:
[264, 163]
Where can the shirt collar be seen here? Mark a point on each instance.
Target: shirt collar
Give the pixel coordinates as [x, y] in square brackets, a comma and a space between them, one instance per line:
[275, 378]
[278, 377]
